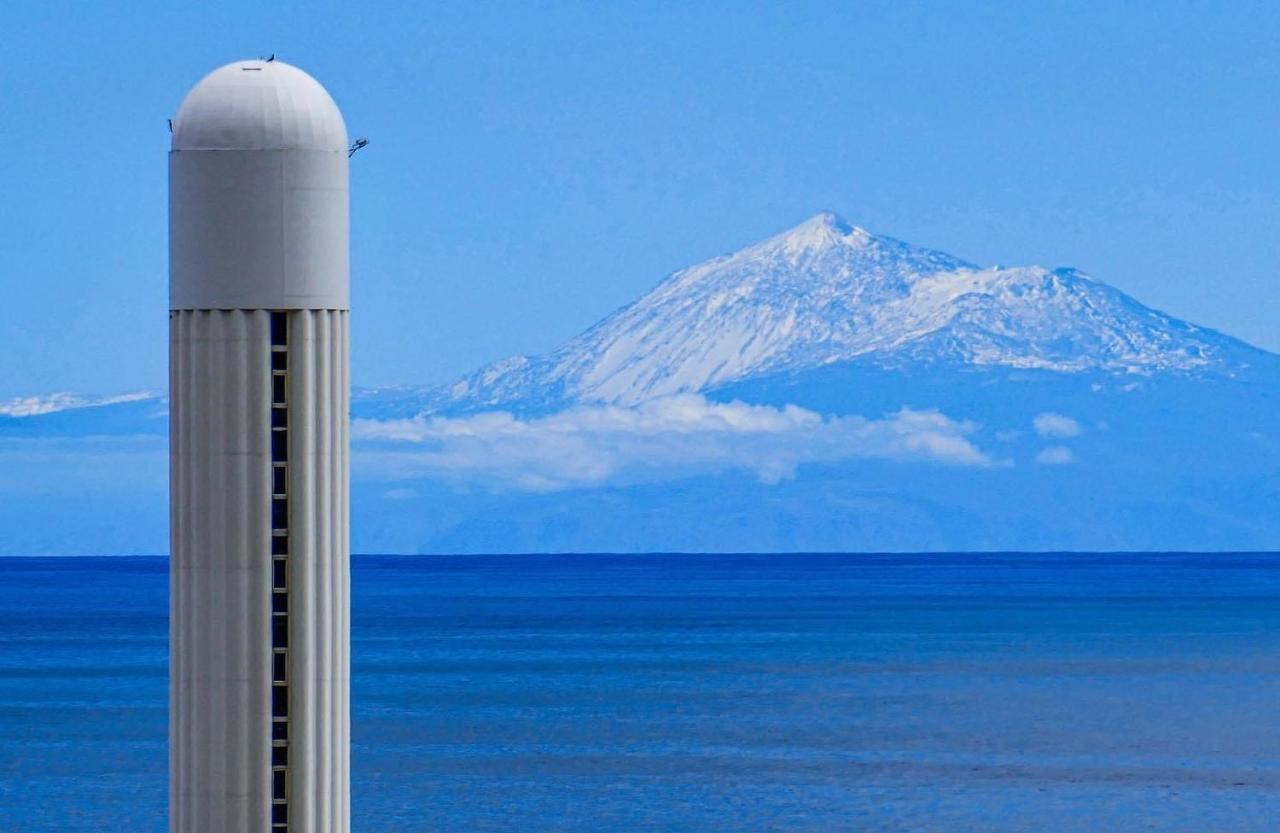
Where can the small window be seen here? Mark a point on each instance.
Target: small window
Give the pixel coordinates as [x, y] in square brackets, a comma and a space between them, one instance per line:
[280, 729]
[278, 668]
[277, 784]
[279, 602]
[279, 701]
[278, 480]
[279, 544]
[279, 756]
[277, 390]
[279, 632]
[279, 418]
[279, 329]
[279, 358]
[279, 513]
[279, 814]
[279, 446]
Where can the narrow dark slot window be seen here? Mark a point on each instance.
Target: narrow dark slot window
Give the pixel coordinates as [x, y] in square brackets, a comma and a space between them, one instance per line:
[279, 512]
[277, 784]
[279, 327]
[279, 446]
[279, 701]
[279, 632]
[279, 330]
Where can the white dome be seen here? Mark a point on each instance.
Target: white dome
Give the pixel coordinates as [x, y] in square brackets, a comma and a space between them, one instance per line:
[258, 105]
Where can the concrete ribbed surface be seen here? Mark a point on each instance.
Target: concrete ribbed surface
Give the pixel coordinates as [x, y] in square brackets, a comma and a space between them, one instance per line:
[220, 573]
[220, 641]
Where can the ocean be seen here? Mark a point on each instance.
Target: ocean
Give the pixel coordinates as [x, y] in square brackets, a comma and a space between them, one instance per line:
[705, 693]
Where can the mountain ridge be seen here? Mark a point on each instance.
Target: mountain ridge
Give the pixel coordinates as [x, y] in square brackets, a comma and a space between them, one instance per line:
[823, 293]
[827, 291]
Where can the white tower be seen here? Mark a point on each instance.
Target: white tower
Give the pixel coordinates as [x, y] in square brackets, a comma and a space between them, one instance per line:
[258, 288]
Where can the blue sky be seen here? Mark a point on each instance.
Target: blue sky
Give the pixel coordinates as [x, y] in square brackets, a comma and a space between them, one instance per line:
[535, 166]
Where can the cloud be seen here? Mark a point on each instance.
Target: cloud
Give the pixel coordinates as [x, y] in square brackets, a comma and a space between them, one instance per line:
[661, 439]
[1050, 424]
[28, 406]
[1056, 455]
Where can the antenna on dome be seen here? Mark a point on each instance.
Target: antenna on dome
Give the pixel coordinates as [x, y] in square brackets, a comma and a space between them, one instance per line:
[356, 145]
[269, 60]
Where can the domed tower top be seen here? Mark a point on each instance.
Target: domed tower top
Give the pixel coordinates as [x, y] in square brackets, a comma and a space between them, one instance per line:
[258, 105]
[258, 193]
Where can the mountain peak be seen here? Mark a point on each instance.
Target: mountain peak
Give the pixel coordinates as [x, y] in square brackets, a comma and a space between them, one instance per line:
[820, 231]
[833, 221]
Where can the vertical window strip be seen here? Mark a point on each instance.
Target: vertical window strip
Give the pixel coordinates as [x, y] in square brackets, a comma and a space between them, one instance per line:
[279, 513]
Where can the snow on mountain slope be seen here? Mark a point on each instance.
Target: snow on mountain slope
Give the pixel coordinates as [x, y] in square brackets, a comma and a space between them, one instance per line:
[28, 406]
[827, 292]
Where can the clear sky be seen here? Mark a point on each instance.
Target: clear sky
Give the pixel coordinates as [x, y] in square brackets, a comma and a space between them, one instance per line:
[534, 166]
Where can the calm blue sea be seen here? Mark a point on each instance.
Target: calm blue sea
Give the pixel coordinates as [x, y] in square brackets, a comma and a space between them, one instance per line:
[705, 693]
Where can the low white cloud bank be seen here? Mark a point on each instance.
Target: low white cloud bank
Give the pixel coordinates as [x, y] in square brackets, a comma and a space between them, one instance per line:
[1050, 424]
[665, 438]
[28, 406]
[1056, 455]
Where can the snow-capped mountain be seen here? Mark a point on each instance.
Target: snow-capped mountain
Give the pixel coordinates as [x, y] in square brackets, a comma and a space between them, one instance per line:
[826, 292]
